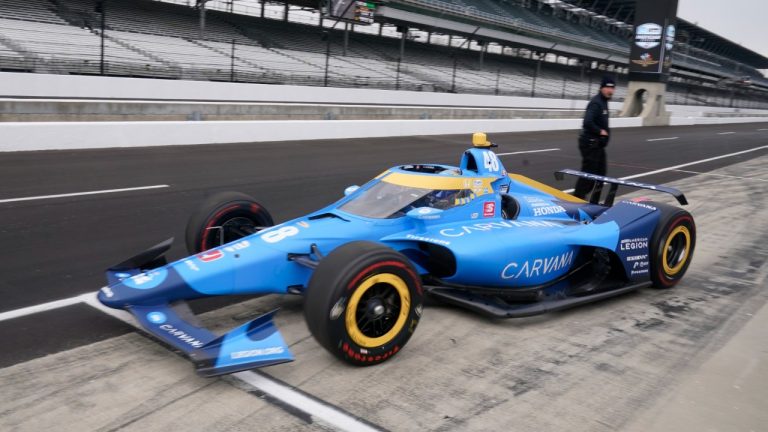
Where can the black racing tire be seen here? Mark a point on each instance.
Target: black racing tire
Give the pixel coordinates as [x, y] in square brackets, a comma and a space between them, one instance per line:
[672, 246]
[237, 213]
[363, 302]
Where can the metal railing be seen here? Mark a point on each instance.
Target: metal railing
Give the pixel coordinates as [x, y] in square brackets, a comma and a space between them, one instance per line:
[368, 65]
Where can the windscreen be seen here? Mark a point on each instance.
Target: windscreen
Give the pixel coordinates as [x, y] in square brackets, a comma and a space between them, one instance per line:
[387, 201]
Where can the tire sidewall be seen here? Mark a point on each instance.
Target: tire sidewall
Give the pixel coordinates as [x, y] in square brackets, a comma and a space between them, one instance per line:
[215, 211]
[325, 312]
[671, 218]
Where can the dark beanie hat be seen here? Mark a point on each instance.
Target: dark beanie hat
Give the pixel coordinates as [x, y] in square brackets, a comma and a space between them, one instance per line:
[607, 82]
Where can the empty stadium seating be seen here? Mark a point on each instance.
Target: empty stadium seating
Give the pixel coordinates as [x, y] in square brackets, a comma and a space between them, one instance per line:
[157, 39]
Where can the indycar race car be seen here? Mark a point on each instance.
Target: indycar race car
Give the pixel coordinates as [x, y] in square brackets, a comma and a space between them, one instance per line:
[470, 235]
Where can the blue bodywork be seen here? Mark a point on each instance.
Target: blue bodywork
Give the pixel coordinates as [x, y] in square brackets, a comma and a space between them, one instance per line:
[463, 239]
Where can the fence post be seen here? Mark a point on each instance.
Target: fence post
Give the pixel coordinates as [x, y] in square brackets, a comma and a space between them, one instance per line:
[232, 63]
[498, 75]
[453, 78]
[564, 82]
[327, 55]
[102, 5]
[397, 77]
[535, 76]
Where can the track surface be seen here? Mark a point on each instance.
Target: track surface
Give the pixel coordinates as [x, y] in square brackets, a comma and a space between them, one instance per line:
[58, 248]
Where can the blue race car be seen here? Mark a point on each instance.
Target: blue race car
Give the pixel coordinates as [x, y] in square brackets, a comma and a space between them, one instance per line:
[470, 235]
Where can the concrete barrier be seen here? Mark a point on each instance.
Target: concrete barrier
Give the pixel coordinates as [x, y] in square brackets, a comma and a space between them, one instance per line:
[24, 136]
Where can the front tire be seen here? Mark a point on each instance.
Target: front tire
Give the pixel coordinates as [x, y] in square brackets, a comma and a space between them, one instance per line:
[363, 302]
[237, 215]
[672, 246]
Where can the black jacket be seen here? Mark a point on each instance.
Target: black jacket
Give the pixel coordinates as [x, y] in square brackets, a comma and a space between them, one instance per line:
[595, 118]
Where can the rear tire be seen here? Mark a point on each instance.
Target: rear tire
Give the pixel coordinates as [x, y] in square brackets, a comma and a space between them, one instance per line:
[236, 213]
[672, 246]
[363, 302]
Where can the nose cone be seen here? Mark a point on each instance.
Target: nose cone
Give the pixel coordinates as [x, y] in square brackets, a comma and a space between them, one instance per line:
[107, 297]
[157, 286]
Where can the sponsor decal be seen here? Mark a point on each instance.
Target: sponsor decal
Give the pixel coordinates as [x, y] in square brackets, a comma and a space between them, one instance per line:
[504, 188]
[640, 204]
[156, 317]
[428, 239]
[634, 244]
[489, 209]
[107, 292]
[191, 264]
[477, 183]
[637, 258]
[646, 59]
[648, 35]
[211, 256]
[538, 202]
[303, 224]
[640, 264]
[256, 352]
[182, 336]
[146, 280]
[549, 210]
[619, 181]
[238, 246]
[474, 215]
[638, 272]
[122, 275]
[537, 267]
[469, 229]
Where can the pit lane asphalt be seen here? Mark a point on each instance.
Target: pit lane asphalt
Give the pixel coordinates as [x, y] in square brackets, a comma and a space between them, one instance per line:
[58, 248]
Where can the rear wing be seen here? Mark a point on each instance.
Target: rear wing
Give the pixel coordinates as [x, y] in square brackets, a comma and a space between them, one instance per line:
[615, 183]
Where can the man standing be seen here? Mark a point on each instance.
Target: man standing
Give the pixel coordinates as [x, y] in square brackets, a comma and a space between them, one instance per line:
[594, 137]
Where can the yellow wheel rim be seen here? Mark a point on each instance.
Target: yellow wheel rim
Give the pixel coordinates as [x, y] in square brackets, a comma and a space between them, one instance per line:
[673, 270]
[350, 317]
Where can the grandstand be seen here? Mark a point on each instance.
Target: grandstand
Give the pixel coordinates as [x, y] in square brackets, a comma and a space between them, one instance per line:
[544, 48]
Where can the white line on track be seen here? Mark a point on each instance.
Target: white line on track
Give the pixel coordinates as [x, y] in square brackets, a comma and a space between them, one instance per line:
[324, 412]
[97, 192]
[725, 133]
[263, 382]
[722, 175]
[528, 151]
[677, 167]
[662, 139]
[17, 313]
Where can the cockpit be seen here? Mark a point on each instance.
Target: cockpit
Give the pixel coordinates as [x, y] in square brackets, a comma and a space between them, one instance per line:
[400, 192]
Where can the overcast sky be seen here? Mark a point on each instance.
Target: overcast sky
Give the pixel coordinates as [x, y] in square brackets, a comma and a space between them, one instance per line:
[742, 21]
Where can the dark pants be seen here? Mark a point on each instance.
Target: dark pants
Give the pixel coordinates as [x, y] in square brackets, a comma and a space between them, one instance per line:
[593, 161]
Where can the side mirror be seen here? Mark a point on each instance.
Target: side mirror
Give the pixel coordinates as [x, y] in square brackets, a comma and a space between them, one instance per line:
[350, 190]
[424, 213]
